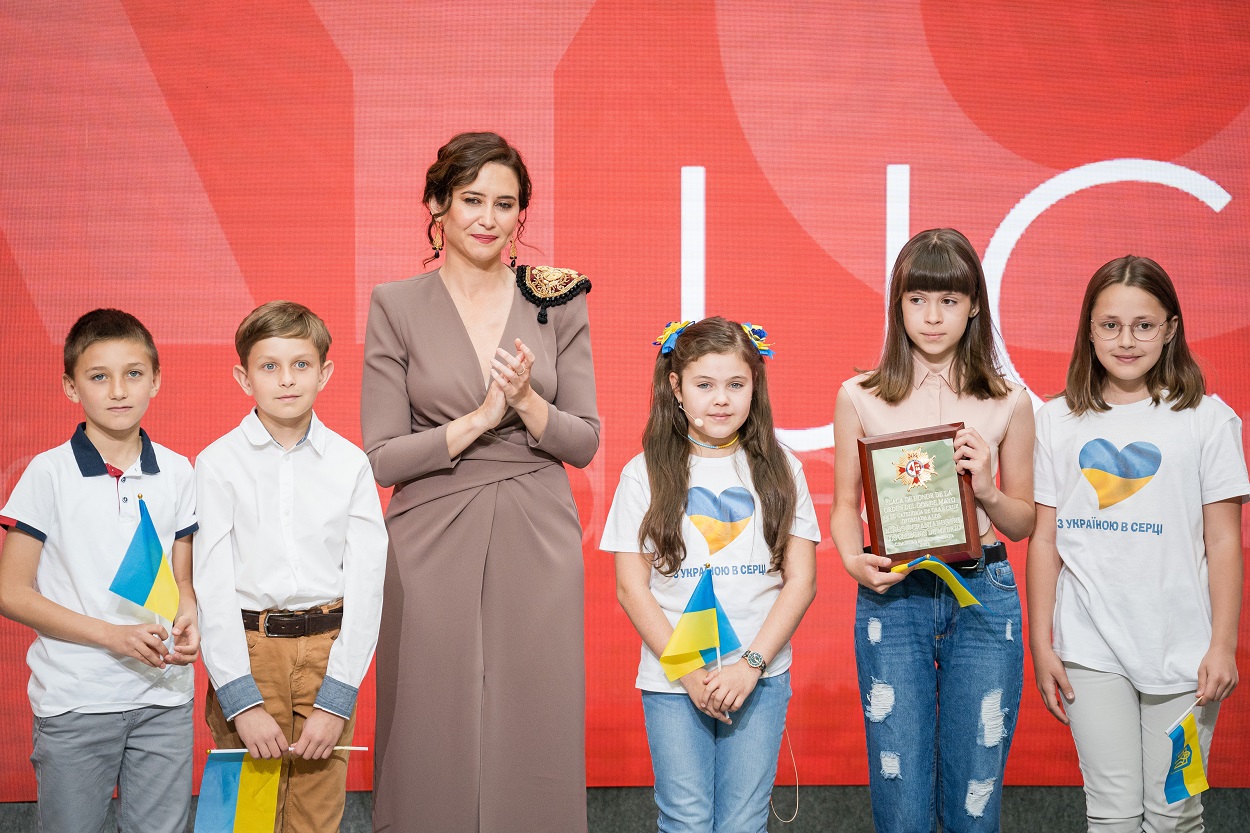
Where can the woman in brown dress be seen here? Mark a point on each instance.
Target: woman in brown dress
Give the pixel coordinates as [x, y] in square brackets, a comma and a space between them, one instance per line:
[478, 385]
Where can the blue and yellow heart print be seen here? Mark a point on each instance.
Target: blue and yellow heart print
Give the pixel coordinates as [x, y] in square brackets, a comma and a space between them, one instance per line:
[1118, 475]
[719, 518]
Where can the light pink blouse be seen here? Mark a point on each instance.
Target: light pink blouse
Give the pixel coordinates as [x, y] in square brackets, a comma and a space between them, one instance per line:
[933, 402]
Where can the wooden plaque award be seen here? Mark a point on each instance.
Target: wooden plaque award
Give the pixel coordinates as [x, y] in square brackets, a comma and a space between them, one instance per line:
[916, 501]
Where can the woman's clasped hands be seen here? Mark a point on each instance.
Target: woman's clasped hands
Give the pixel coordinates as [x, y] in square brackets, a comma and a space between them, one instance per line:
[512, 373]
[509, 384]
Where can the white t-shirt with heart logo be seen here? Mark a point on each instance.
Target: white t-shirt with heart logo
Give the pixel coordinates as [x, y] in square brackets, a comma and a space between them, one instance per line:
[1128, 486]
[721, 526]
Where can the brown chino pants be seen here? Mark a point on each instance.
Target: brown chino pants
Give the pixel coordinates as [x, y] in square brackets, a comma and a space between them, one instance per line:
[289, 672]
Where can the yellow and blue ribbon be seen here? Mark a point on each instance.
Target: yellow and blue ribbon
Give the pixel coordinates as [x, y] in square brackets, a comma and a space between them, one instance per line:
[963, 593]
[669, 337]
[673, 329]
[758, 338]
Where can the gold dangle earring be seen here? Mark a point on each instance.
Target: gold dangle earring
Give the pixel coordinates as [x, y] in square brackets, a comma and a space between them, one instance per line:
[436, 239]
[512, 252]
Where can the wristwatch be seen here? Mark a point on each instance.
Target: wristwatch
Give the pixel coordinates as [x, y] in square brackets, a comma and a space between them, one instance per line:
[756, 660]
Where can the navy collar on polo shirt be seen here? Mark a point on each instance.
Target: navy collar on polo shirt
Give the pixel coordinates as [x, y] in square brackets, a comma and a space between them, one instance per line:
[91, 464]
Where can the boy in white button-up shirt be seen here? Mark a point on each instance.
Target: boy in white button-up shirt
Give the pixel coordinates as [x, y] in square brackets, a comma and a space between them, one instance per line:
[112, 699]
[290, 558]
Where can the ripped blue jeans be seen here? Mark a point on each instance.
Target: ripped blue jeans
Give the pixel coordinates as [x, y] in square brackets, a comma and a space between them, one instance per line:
[940, 688]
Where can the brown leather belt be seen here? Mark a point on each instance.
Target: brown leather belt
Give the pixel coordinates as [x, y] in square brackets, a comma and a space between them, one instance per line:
[292, 623]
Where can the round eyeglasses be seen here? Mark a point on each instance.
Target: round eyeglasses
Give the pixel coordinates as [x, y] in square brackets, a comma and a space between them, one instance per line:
[1139, 330]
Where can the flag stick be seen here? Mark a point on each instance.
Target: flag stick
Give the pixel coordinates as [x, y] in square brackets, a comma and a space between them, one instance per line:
[708, 567]
[1184, 714]
[336, 749]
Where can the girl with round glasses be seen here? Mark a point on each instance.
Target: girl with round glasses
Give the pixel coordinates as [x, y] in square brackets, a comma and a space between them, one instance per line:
[1110, 329]
[1134, 569]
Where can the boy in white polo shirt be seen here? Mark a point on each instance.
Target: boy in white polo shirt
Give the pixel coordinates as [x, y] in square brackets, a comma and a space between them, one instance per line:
[112, 700]
[289, 564]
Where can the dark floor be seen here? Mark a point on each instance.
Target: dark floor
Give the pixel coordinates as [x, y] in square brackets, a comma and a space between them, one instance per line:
[844, 809]
[847, 810]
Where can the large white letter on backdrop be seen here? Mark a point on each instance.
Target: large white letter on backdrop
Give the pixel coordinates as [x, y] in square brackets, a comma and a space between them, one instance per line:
[898, 212]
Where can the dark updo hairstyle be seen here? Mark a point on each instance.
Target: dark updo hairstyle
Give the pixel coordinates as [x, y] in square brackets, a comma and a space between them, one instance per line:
[458, 164]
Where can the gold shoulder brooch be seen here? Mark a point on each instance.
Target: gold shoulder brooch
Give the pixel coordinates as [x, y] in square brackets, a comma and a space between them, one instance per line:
[550, 286]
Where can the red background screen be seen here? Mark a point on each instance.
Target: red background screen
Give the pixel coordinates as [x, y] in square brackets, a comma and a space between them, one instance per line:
[187, 162]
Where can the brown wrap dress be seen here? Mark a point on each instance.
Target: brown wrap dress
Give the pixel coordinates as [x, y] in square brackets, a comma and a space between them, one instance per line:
[480, 669]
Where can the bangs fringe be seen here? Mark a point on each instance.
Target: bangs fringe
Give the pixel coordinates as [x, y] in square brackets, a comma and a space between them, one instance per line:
[934, 270]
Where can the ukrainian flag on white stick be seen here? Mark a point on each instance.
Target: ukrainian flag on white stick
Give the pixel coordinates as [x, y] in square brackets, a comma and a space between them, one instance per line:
[702, 633]
[1186, 776]
[145, 576]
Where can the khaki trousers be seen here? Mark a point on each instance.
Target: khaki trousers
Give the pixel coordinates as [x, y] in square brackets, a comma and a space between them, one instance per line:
[288, 672]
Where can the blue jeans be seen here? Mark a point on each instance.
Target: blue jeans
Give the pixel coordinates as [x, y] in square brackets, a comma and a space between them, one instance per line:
[713, 777]
[940, 686]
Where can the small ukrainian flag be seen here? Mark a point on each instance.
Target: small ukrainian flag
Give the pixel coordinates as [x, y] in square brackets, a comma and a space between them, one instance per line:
[1187, 776]
[702, 634]
[239, 794]
[145, 576]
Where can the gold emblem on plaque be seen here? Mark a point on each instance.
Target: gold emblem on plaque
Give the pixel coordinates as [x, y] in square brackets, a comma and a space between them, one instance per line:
[915, 468]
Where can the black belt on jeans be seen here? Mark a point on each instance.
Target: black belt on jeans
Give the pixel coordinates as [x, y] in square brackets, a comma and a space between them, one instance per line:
[291, 623]
[990, 554]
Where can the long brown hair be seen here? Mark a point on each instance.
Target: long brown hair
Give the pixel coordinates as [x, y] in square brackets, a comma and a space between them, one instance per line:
[458, 164]
[939, 260]
[1176, 374]
[667, 451]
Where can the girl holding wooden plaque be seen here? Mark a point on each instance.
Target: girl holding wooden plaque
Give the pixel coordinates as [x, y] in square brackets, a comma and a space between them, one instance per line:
[940, 683]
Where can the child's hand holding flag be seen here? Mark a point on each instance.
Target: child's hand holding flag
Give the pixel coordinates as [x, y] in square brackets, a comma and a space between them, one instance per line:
[186, 648]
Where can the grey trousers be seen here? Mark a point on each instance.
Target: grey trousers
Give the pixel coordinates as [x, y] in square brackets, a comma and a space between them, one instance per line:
[144, 752]
[1121, 739]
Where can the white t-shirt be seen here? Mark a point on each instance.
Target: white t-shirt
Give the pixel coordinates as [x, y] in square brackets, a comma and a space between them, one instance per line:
[1128, 486]
[86, 520]
[722, 494]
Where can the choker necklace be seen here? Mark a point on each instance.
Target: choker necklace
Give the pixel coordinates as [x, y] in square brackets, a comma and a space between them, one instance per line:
[709, 445]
